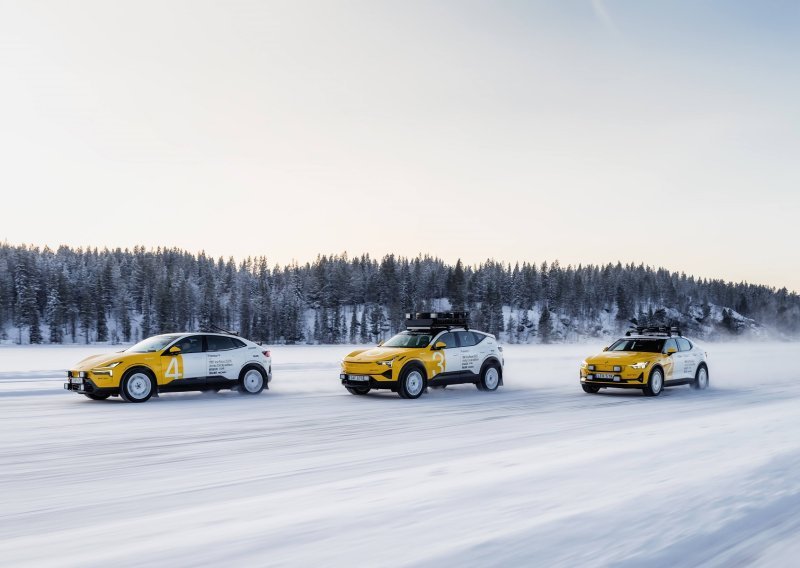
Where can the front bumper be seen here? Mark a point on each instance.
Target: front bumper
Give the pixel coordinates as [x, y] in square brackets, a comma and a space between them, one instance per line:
[373, 382]
[88, 386]
[625, 378]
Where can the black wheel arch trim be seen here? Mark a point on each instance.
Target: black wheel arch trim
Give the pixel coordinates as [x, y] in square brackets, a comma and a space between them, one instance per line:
[146, 369]
[492, 359]
[257, 366]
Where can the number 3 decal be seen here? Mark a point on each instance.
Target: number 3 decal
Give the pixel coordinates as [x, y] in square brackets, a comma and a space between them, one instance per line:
[438, 358]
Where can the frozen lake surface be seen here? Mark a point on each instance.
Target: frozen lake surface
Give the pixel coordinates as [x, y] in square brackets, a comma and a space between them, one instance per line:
[536, 474]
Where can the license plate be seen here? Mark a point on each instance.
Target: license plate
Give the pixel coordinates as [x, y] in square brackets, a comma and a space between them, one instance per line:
[604, 375]
[76, 381]
[357, 377]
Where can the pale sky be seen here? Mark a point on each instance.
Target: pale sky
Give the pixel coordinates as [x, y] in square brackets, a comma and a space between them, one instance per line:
[665, 132]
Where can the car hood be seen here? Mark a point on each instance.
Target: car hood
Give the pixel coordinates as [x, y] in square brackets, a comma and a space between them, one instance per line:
[94, 361]
[379, 354]
[621, 357]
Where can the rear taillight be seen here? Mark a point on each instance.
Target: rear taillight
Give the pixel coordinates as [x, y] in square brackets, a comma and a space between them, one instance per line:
[266, 353]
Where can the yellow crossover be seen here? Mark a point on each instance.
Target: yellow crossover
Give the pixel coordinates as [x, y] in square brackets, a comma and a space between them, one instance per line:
[174, 362]
[648, 359]
[436, 350]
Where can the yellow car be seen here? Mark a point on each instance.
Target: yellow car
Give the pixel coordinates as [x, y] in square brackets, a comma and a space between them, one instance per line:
[436, 350]
[648, 359]
[174, 362]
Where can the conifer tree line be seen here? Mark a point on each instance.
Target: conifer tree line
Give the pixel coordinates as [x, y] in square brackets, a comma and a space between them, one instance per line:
[86, 295]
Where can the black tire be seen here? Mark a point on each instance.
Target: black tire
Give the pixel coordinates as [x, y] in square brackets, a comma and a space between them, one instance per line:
[412, 382]
[360, 391]
[137, 385]
[96, 396]
[701, 379]
[591, 389]
[490, 377]
[252, 380]
[655, 383]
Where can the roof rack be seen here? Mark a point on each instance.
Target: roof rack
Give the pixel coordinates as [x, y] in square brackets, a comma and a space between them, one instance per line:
[442, 320]
[665, 330]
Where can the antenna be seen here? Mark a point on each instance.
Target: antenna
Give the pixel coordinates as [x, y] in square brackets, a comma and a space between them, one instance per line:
[222, 330]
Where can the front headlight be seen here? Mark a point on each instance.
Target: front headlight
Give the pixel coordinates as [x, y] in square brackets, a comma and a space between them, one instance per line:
[106, 369]
[640, 365]
[584, 365]
[387, 363]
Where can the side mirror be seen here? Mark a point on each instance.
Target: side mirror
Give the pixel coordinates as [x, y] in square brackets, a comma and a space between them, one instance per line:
[439, 345]
[380, 343]
[671, 350]
[174, 350]
[605, 348]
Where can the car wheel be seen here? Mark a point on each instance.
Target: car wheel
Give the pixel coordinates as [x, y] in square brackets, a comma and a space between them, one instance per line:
[591, 389]
[412, 382]
[97, 396]
[490, 378]
[358, 390]
[655, 384]
[137, 386]
[251, 381]
[701, 378]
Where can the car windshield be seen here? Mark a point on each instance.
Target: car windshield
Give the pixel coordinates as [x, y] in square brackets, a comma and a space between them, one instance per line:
[152, 344]
[408, 339]
[640, 345]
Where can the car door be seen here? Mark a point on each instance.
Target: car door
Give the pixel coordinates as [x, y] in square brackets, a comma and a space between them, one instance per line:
[187, 368]
[470, 358]
[448, 359]
[688, 358]
[223, 358]
[670, 362]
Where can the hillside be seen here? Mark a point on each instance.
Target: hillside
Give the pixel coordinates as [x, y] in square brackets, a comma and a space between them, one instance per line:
[90, 295]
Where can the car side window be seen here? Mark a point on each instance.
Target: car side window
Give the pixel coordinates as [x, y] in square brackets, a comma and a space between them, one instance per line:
[219, 343]
[193, 344]
[478, 336]
[238, 343]
[684, 345]
[670, 343]
[449, 339]
[465, 338]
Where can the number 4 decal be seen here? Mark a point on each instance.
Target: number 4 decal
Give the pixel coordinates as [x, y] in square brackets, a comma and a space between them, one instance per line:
[173, 369]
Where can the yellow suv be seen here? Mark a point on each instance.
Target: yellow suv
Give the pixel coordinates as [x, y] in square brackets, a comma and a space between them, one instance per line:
[436, 350]
[647, 358]
[174, 362]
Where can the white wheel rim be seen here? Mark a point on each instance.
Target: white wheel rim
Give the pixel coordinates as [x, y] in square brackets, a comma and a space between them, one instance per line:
[703, 379]
[139, 386]
[253, 380]
[492, 378]
[414, 383]
[656, 382]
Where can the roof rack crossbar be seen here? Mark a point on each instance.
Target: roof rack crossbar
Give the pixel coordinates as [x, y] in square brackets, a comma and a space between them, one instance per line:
[665, 330]
[437, 320]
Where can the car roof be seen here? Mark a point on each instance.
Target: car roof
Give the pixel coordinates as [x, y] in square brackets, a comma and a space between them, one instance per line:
[646, 336]
[179, 334]
[435, 330]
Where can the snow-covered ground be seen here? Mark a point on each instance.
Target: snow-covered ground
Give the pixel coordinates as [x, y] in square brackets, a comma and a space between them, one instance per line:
[537, 474]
